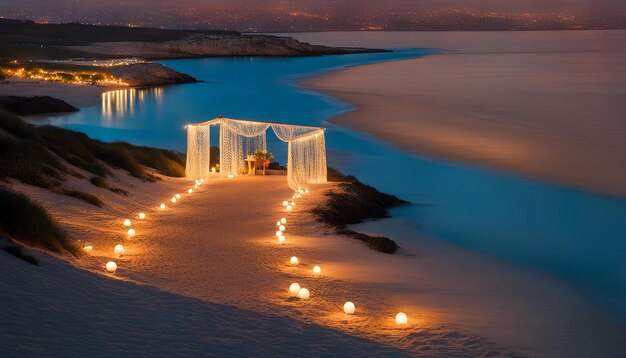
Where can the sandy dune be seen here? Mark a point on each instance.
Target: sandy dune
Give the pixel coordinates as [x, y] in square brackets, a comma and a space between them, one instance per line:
[216, 247]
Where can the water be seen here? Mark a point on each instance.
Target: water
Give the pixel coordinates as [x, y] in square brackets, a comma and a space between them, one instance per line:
[575, 235]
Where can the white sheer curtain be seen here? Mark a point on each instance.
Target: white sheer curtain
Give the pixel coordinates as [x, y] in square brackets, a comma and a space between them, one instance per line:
[198, 152]
[238, 139]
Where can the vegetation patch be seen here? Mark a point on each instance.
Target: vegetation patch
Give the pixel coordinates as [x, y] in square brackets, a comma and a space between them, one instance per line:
[354, 202]
[19, 252]
[26, 221]
[86, 197]
[99, 181]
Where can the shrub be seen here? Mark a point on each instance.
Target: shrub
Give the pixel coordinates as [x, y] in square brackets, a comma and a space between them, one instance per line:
[86, 197]
[100, 182]
[18, 252]
[26, 221]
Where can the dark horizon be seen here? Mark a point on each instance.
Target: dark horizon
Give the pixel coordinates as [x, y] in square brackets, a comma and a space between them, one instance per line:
[328, 15]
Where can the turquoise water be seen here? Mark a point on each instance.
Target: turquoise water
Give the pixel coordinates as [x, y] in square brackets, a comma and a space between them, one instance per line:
[574, 235]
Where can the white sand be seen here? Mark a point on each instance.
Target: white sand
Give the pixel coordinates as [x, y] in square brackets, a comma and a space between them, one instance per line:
[217, 247]
[83, 95]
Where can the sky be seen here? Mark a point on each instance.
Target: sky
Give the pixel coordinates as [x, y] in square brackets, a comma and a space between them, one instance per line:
[307, 15]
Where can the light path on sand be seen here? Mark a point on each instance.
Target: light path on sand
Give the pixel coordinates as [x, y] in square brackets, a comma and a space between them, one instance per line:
[217, 245]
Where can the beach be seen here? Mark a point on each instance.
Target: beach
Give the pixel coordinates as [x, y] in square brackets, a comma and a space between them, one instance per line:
[216, 246]
[545, 105]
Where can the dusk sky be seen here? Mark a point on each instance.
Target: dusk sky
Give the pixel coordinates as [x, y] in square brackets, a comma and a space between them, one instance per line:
[306, 15]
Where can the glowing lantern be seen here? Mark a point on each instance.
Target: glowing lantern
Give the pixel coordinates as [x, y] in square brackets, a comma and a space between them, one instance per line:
[281, 240]
[348, 307]
[190, 191]
[162, 206]
[317, 270]
[177, 196]
[279, 233]
[293, 260]
[288, 208]
[88, 248]
[127, 222]
[213, 170]
[230, 176]
[131, 233]
[303, 293]
[283, 221]
[401, 318]
[111, 267]
[173, 199]
[294, 288]
[285, 203]
[119, 250]
[143, 216]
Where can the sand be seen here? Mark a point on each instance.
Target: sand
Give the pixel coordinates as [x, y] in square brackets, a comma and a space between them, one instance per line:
[546, 105]
[211, 260]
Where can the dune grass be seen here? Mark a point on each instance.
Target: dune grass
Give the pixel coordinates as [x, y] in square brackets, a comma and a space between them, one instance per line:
[26, 221]
[27, 153]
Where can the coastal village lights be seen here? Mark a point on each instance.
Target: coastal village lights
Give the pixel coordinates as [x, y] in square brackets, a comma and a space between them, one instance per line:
[294, 288]
[293, 260]
[64, 76]
[348, 307]
[119, 250]
[127, 222]
[303, 293]
[401, 319]
[111, 267]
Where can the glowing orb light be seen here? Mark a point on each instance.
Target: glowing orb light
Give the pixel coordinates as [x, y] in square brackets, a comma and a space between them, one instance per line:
[162, 206]
[88, 248]
[303, 294]
[173, 199]
[293, 196]
[278, 223]
[294, 288]
[119, 250]
[298, 196]
[213, 170]
[177, 196]
[317, 270]
[288, 208]
[127, 222]
[201, 180]
[293, 203]
[111, 267]
[285, 203]
[281, 228]
[348, 307]
[279, 233]
[293, 260]
[283, 221]
[401, 318]
[190, 191]
[306, 190]
[230, 176]
[281, 240]
[143, 216]
[131, 233]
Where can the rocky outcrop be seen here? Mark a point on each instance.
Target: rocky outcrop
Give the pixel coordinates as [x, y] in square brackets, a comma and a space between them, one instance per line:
[149, 74]
[198, 45]
[27, 106]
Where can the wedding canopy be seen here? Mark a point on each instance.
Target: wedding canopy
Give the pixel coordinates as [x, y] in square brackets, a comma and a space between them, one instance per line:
[306, 158]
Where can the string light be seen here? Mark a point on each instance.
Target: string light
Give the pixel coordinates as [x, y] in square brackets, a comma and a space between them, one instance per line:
[190, 191]
[127, 222]
[401, 319]
[111, 267]
[131, 233]
[281, 240]
[173, 199]
[294, 288]
[143, 216]
[177, 196]
[162, 206]
[303, 293]
[348, 307]
[317, 270]
[119, 250]
[283, 221]
[293, 260]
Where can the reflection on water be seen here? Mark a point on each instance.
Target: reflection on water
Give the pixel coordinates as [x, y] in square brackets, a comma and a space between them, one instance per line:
[121, 103]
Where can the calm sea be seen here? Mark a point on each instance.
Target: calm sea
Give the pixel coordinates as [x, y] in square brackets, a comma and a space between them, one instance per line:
[577, 236]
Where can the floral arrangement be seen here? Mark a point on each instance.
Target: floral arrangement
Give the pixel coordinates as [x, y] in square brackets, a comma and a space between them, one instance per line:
[264, 157]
